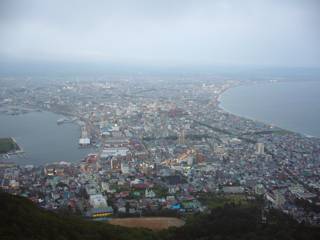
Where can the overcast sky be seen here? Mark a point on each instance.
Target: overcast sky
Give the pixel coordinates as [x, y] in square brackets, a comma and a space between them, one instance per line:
[199, 32]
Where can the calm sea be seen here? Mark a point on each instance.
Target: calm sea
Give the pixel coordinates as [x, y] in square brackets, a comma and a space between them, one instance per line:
[291, 105]
[42, 140]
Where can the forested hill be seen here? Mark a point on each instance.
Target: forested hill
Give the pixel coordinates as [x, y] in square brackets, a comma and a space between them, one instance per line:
[21, 219]
[237, 222]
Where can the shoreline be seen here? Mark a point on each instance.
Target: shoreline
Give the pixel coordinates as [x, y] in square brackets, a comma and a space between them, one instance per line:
[21, 153]
[223, 109]
[19, 150]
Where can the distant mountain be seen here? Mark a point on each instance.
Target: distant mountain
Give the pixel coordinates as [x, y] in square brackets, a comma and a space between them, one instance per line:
[21, 219]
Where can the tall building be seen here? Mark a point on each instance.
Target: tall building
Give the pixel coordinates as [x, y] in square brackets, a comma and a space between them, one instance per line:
[190, 160]
[259, 148]
[181, 137]
[125, 168]
[115, 163]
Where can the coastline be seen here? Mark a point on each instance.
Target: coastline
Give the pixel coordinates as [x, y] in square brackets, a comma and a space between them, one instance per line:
[19, 148]
[224, 109]
[16, 148]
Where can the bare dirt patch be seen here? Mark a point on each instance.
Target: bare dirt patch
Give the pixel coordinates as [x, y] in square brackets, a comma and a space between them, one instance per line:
[153, 223]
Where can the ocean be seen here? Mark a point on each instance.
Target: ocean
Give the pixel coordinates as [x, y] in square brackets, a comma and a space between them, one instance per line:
[293, 106]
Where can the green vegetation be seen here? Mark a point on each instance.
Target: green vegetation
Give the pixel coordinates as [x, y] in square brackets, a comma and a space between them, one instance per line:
[232, 222]
[21, 219]
[266, 132]
[7, 145]
[218, 200]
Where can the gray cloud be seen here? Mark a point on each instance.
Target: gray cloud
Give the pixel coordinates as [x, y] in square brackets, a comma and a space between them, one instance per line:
[195, 32]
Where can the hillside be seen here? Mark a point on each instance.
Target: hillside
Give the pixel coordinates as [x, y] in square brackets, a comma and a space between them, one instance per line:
[7, 145]
[21, 219]
[236, 222]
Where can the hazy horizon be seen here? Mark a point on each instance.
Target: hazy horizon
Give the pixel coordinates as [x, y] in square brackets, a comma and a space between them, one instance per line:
[158, 34]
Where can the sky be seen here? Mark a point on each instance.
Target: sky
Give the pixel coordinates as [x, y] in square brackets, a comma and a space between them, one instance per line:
[162, 32]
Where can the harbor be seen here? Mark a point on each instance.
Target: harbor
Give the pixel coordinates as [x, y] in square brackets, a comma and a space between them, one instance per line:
[40, 139]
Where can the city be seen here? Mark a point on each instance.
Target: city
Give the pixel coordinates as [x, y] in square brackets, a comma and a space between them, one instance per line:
[159, 120]
[161, 147]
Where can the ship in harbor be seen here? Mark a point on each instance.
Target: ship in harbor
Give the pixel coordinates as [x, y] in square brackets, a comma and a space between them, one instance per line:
[66, 120]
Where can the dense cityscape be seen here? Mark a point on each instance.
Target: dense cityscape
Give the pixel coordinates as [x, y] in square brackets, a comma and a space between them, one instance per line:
[160, 146]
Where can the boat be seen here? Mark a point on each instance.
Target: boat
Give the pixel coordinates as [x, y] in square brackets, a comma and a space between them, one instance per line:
[60, 121]
[66, 120]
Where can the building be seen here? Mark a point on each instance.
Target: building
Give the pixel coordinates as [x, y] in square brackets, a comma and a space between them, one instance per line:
[182, 137]
[149, 193]
[84, 141]
[114, 151]
[100, 213]
[190, 160]
[259, 148]
[115, 164]
[125, 168]
[233, 189]
[98, 201]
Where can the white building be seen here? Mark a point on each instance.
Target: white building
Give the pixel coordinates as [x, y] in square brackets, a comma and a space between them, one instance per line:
[190, 159]
[84, 141]
[98, 201]
[259, 148]
[111, 152]
[149, 193]
[125, 168]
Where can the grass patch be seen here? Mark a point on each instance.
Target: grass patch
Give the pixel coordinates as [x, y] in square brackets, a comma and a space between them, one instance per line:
[218, 200]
